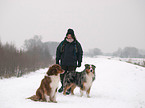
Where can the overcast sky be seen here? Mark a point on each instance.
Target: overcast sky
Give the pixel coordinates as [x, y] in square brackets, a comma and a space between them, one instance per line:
[103, 24]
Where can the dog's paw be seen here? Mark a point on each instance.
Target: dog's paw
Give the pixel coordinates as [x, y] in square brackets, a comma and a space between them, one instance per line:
[54, 101]
[88, 97]
[64, 93]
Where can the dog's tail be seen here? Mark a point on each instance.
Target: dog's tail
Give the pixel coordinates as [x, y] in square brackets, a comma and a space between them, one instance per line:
[34, 98]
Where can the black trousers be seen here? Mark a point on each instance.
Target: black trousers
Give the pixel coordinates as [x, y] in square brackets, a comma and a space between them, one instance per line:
[66, 68]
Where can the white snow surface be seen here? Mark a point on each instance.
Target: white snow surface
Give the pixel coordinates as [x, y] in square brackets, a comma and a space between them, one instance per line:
[117, 85]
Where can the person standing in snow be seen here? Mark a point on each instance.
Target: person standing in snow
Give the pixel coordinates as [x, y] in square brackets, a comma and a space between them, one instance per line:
[69, 55]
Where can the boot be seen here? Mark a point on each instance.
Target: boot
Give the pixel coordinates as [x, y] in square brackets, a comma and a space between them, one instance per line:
[61, 89]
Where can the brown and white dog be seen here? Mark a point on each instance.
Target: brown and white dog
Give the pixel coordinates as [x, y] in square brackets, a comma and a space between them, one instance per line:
[49, 84]
[82, 79]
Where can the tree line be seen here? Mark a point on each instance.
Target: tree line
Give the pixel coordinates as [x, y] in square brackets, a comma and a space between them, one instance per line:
[33, 56]
[127, 52]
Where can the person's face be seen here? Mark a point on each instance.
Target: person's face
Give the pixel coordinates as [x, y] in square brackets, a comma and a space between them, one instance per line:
[69, 36]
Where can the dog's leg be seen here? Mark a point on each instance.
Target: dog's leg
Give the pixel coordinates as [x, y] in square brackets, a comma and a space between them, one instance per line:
[72, 89]
[82, 89]
[81, 92]
[47, 97]
[40, 95]
[43, 98]
[88, 92]
[53, 98]
[67, 87]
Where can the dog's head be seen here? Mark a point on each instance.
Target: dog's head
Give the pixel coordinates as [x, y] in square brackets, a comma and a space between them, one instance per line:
[55, 70]
[90, 68]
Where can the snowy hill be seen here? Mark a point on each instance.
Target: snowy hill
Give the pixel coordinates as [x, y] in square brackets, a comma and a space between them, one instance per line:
[117, 85]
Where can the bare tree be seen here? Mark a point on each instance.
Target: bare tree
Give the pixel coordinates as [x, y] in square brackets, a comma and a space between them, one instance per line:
[15, 62]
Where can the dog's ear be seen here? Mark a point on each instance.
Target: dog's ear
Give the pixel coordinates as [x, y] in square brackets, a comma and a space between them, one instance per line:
[52, 71]
[87, 65]
[94, 66]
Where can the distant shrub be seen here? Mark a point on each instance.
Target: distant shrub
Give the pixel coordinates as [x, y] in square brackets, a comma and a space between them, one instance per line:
[15, 62]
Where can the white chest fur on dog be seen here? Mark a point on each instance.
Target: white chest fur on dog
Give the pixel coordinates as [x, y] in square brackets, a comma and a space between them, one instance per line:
[89, 80]
[54, 85]
[54, 82]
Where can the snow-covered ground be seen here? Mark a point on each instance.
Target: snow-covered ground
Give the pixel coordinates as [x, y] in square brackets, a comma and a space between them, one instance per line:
[117, 85]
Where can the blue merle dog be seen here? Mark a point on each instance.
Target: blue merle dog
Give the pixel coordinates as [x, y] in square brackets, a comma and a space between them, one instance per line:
[82, 79]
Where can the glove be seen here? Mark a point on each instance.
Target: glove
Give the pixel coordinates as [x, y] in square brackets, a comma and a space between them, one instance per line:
[79, 64]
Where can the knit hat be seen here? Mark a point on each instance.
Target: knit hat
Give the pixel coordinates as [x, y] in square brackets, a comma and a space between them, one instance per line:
[70, 31]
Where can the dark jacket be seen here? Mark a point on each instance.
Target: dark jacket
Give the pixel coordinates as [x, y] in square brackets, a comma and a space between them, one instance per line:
[69, 54]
